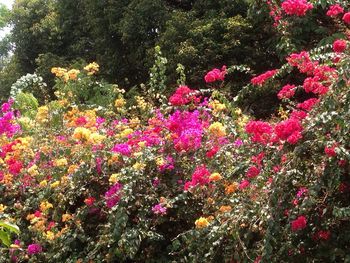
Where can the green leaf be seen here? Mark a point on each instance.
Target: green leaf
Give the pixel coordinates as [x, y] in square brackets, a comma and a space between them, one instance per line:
[10, 227]
[5, 238]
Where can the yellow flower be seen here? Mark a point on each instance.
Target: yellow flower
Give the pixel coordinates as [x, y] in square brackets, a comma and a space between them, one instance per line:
[126, 132]
[142, 144]
[202, 222]
[73, 74]
[81, 133]
[2, 208]
[113, 178]
[160, 161]
[43, 183]
[45, 206]
[139, 166]
[14, 246]
[59, 72]
[55, 184]
[72, 168]
[119, 103]
[238, 111]
[217, 129]
[42, 114]
[66, 217]
[61, 162]
[215, 177]
[50, 235]
[217, 106]
[96, 138]
[33, 170]
[92, 68]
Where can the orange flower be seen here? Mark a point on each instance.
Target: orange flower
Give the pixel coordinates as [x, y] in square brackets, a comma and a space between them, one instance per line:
[215, 177]
[231, 188]
[225, 209]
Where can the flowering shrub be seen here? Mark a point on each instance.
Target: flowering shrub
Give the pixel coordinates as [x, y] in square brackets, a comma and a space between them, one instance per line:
[91, 177]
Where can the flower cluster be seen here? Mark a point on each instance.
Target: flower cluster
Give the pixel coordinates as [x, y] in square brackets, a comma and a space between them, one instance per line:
[215, 75]
[262, 78]
[296, 7]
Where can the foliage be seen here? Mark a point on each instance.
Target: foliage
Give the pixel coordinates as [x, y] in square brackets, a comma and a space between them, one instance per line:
[102, 175]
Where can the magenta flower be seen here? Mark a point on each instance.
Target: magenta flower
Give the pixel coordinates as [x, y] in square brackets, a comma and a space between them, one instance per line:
[159, 209]
[34, 249]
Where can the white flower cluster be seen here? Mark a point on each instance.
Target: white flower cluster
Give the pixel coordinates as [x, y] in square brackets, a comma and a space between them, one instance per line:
[26, 83]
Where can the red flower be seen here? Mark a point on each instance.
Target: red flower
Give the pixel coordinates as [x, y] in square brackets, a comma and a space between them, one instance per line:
[325, 235]
[330, 151]
[334, 10]
[339, 45]
[296, 7]
[346, 18]
[299, 223]
[244, 184]
[286, 92]
[253, 172]
[289, 130]
[89, 201]
[260, 80]
[182, 96]
[308, 104]
[215, 74]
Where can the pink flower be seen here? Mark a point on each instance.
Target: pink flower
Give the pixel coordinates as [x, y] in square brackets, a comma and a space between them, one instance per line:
[296, 7]
[334, 10]
[313, 85]
[262, 78]
[307, 105]
[122, 148]
[339, 45]
[244, 184]
[159, 209]
[323, 234]
[346, 18]
[286, 92]
[330, 151]
[182, 96]
[215, 74]
[200, 176]
[253, 172]
[112, 196]
[34, 249]
[289, 130]
[260, 130]
[299, 223]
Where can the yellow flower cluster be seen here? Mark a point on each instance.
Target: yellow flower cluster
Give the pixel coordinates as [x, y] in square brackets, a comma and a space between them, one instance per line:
[65, 74]
[92, 68]
[217, 106]
[84, 134]
[61, 162]
[217, 129]
[45, 205]
[33, 170]
[141, 103]
[42, 114]
[215, 177]
[119, 103]
[2, 208]
[113, 179]
[202, 222]
[81, 133]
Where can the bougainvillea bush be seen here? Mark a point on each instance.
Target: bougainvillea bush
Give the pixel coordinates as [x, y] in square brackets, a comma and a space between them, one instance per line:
[95, 177]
